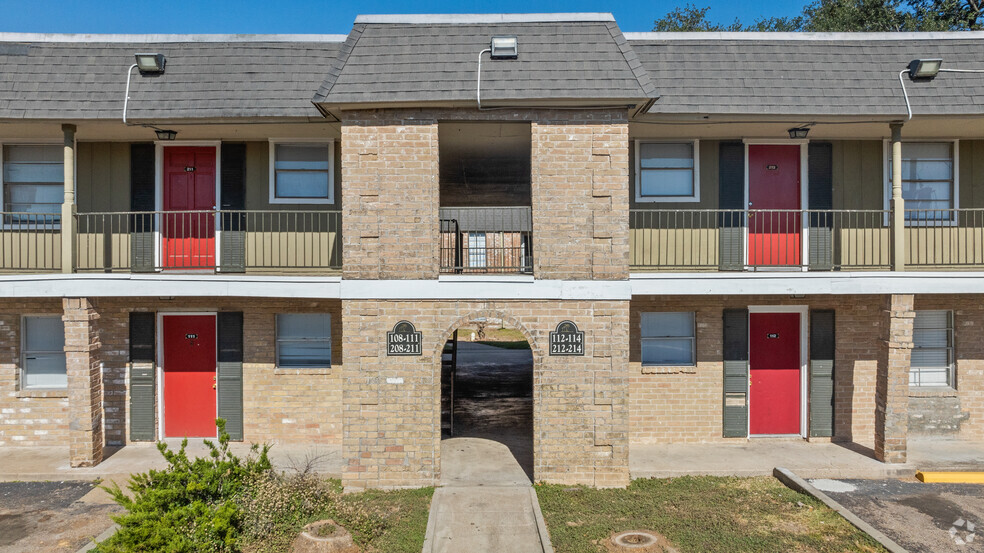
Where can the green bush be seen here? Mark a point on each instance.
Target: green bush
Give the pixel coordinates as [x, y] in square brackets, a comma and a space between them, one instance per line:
[188, 506]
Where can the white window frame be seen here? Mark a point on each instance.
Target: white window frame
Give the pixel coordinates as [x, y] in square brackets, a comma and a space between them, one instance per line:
[330, 142]
[3, 208]
[24, 352]
[480, 255]
[951, 382]
[693, 198]
[276, 339]
[693, 340]
[887, 190]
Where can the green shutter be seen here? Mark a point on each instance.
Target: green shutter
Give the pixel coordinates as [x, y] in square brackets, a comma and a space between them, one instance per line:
[821, 197]
[731, 196]
[143, 369]
[735, 411]
[233, 225]
[229, 372]
[143, 197]
[822, 373]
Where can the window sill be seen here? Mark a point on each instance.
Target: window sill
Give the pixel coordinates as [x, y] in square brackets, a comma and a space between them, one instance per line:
[669, 369]
[324, 371]
[941, 391]
[58, 393]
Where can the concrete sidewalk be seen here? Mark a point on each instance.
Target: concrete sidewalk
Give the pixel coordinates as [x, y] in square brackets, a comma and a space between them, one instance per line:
[51, 463]
[486, 503]
[808, 460]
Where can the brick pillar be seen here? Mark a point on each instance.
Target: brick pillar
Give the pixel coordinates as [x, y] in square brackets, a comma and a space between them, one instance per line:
[84, 382]
[892, 383]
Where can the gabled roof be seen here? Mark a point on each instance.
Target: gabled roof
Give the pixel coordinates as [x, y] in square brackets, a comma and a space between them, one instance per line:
[207, 76]
[434, 58]
[852, 74]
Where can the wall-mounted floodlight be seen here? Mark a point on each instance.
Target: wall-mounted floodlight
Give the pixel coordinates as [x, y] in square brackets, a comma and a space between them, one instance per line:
[924, 69]
[164, 134]
[504, 47]
[798, 132]
[150, 64]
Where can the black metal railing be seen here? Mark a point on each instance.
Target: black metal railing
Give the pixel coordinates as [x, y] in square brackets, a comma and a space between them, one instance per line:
[482, 240]
[30, 242]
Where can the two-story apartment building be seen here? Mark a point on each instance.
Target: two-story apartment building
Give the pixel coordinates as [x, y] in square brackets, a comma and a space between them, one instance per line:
[703, 237]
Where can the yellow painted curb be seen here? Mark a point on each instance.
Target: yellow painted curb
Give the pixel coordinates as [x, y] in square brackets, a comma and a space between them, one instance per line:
[951, 477]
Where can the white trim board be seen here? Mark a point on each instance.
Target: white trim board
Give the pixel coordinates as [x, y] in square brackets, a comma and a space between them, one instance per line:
[816, 283]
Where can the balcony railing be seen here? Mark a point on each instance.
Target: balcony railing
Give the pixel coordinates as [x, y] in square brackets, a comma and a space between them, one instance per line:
[944, 238]
[227, 241]
[482, 240]
[30, 242]
[737, 240]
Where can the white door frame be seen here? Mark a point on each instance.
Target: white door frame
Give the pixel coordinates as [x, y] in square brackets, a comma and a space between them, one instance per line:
[159, 190]
[804, 311]
[160, 364]
[804, 195]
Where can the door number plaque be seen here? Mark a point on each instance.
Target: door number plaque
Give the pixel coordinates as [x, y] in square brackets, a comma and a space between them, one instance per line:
[403, 340]
[567, 340]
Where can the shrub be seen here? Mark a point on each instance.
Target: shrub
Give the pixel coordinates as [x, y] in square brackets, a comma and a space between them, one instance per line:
[188, 506]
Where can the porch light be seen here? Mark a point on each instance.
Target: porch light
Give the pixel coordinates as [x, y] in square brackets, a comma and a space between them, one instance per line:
[504, 47]
[164, 134]
[150, 64]
[798, 132]
[924, 69]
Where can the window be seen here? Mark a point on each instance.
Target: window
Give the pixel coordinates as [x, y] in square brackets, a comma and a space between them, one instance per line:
[667, 172]
[476, 249]
[929, 186]
[43, 352]
[302, 173]
[32, 181]
[932, 349]
[303, 340]
[668, 339]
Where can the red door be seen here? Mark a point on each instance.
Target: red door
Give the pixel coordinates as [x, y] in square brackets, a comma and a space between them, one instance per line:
[775, 234]
[189, 375]
[774, 373]
[189, 185]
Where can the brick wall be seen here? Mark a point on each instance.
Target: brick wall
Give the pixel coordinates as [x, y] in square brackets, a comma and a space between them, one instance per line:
[27, 418]
[684, 404]
[392, 404]
[968, 323]
[579, 175]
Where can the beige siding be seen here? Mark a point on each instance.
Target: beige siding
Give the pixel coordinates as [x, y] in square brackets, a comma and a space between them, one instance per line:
[29, 251]
[103, 175]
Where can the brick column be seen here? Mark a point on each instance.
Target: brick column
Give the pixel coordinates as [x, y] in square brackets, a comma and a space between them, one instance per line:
[84, 382]
[892, 383]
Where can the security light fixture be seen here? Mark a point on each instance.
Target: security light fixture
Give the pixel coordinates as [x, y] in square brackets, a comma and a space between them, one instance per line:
[504, 47]
[924, 69]
[164, 134]
[798, 132]
[150, 64]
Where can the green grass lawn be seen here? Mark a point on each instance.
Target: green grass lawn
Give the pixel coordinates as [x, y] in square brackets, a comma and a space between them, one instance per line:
[406, 518]
[701, 514]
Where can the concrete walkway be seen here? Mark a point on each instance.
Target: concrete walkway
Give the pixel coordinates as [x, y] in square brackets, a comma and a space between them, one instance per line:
[485, 504]
[808, 460]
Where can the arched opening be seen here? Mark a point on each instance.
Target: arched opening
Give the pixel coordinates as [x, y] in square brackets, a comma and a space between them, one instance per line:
[487, 403]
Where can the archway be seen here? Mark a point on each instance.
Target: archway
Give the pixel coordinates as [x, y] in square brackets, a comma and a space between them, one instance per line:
[487, 402]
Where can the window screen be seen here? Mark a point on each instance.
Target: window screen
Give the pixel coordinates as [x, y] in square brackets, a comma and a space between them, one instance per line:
[668, 339]
[303, 171]
[666, 170]
[932, 349]
[43, 356]
[927, 179]
[304, 340]
[477, 252]
[32, 181]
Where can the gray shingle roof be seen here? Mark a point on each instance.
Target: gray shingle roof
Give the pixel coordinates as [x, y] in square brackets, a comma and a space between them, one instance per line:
[845, 74]
[437, 62]
[237, 76]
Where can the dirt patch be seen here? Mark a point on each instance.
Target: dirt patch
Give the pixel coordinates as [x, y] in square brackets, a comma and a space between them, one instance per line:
[639, 541]
[52, 516]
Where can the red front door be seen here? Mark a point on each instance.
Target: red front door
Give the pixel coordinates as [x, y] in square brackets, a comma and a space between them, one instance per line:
[774, 234]
[774, 373]
[189, 375]
[189, 185]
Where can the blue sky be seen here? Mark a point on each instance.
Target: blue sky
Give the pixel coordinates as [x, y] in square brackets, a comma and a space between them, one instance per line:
[322, 16]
